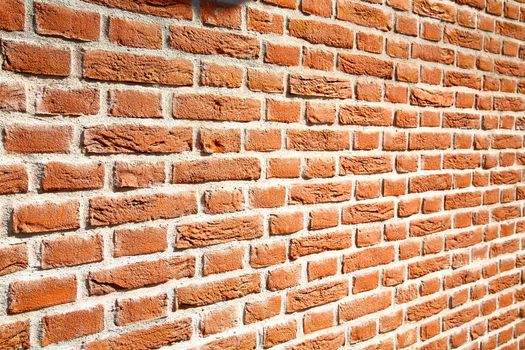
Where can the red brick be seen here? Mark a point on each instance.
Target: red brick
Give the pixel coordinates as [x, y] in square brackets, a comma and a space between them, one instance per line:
[219, 320]
[215, 13]
[134, 104]
[364, 15]
[71, 251]
[181, 9]
[284, 168]
[318, 59]
[138, 174]
[283, 111]
[23, 138]
[369, 257]
[286, 223]
[125, 138]
[292, 4]
[317, 32]
[364, 213]
[468, 39]
[264, 22]
[114, 210]
[45, 292]
[132, 68]
[313, 7]
[255, 311]
[365, 115]
[321, 269]
[71, 102]
[139, 241]
[130, 311]
[46, 217]
[209, 42]
[282, 54]
[321, 86]
[15, 335]
[12, 97]
[71, 325]
[330, 341]
[72, 177]
[220, 290]
[357, 308]
[267, 254]
[206, 107]
[12, 18]
[13, 258]
[13, 179]
[223, 261]
[155, 336]
[314, 244]
[307, 297]
[365, 165]
[220, 231]
[220, 140]
[284, 277]
[330, 192]
[356, 64]
[140, 274]
[217, 202]
[67, 23]
[34, 59]
[317, 140]
[217, 75]
[314, 321]
[242, 341]
[265, 81]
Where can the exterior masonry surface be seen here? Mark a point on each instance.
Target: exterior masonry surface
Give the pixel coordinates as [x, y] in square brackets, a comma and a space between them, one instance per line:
[285, 174]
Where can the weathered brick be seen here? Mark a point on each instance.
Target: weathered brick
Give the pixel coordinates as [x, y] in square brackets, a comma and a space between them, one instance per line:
[314, 244]
[180, 9]
[117, 138]
[154, 337]
[216, 107]
[139, 241]
[133, 68]
[321, 86]
[140, 274]
[60, 176]
[65, 22]
[317, 32]
[23, 138]
[134, 33]
[71, 251]
[357, 308]
[72, 102]
[13, 258]
[46, 217]
[12, 17]
[200, 171]
[215, 232]
[34, 59]
[45, 292]
[308, 297]
[210, 42]
[221, 290]
[141, 309]
[71, 325]
[116, 210]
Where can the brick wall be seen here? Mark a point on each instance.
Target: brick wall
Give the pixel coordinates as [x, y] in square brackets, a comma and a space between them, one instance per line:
[309, 174]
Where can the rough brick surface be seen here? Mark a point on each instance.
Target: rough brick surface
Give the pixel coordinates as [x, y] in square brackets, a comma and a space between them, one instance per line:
[262, 174]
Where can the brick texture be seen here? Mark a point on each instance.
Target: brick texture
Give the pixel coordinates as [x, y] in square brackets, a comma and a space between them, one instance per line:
[284, 174]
